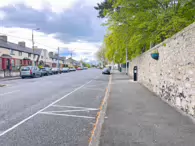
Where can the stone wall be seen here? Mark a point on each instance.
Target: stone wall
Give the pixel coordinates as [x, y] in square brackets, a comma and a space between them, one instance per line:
[172, 77]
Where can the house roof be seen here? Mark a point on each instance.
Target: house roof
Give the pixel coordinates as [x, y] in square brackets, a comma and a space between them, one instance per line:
[6, 56]
[13, 46]
[70, 60]
[38, 51]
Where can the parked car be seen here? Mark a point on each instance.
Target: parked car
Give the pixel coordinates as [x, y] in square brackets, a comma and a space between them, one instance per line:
[66, 69]
[106, 71]
[43, 71]
[49, 70]
[30, 71]
[85, 68]
[79, 68]
[72, 69]
[54, 70]
[59, 70]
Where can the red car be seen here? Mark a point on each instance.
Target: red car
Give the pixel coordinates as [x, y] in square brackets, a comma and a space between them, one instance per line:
[79, 68]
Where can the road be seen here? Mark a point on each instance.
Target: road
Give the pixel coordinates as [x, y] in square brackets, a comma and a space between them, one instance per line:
[57, 110]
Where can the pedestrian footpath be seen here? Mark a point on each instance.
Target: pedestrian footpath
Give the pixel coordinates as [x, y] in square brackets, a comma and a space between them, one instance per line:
[137, 117]
[10, 78]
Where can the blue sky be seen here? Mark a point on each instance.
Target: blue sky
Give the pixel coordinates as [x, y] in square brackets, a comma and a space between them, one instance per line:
[68, 24]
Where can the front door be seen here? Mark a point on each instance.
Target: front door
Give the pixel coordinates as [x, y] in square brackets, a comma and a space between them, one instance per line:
[8, 64]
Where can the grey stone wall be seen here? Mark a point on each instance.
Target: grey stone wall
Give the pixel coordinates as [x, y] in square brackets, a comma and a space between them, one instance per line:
[172, 77]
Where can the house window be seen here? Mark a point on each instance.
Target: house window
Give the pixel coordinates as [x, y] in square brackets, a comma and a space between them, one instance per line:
[11, 52]
[34, 56]
[41, 57]
[21, 62]
[13, 64]
[29, 55]
[20, 53]
[0, 63]
[17, 62]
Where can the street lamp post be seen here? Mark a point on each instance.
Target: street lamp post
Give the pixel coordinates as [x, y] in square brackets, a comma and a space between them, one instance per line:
[126, 61]
[33, 44]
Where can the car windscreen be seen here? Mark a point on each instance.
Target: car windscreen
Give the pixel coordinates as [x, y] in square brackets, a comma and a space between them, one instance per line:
[105, 69]
[25, 68]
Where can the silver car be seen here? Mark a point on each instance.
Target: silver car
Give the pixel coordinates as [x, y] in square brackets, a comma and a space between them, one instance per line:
[30, 71]
[106, 71]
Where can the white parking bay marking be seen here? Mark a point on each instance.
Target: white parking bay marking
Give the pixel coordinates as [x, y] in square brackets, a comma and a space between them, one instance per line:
[77, 107]
[28, 118]
[9, 92]
[69, 111]
[66, 115]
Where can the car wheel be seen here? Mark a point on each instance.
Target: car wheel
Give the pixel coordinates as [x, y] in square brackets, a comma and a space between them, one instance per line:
[22, 77]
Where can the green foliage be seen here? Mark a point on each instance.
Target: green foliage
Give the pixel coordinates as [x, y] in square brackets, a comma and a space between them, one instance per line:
[164, 44]
[104, 7]
[101, 55]
[40, 66]
[155, 51]
[86, 64]
[140, 24]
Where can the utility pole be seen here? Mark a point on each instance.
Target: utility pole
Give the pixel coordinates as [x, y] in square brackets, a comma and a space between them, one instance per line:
[58, 56]
[33, 47]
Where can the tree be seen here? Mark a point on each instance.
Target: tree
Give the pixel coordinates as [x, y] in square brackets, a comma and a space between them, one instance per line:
[86, 64]
[101, 55]
[104, 6]
[140, 24]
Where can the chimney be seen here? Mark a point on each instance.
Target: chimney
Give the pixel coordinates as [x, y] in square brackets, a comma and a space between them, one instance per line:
[22, 44]
[3, 37]
[35, 47]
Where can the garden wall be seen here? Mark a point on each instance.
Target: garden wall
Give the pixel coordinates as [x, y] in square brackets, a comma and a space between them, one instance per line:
[172, 76]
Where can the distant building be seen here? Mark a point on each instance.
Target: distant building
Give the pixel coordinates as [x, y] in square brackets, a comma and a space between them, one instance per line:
[73, 63]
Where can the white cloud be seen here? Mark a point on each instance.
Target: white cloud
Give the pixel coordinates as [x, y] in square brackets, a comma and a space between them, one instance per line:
[55, 5]
[2, 15]
[49, 42]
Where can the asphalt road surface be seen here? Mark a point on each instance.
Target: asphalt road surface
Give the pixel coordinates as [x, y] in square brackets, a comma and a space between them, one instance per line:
[57, 110]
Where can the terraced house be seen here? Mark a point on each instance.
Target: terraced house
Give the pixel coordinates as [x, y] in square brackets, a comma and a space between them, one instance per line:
[13, 56]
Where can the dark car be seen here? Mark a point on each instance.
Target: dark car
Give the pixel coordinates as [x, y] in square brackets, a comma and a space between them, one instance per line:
[106, 71]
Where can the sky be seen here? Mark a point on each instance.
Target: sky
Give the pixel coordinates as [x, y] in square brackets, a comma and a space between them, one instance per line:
[71, 25]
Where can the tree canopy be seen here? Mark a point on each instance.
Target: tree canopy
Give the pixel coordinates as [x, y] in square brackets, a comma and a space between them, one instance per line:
[140, 24]
[101, 55]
